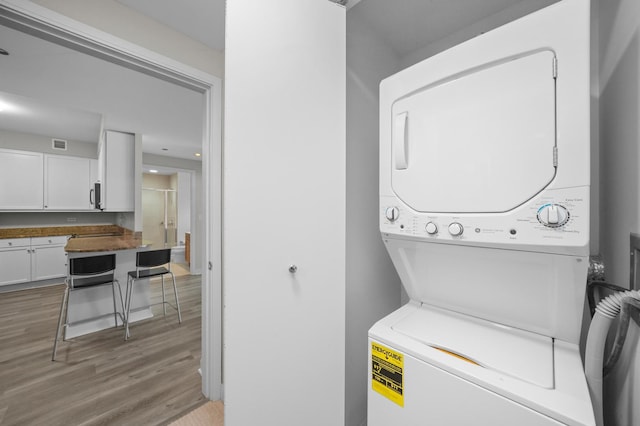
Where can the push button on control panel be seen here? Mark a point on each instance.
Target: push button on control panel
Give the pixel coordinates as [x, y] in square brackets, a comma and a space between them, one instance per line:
[431, 228]
[456, 229]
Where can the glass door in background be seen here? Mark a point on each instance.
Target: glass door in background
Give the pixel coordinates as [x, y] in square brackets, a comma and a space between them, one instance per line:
[159, 217]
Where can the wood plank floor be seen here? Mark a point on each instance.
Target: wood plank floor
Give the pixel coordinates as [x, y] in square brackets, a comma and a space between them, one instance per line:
[209, 414]
[98, 379]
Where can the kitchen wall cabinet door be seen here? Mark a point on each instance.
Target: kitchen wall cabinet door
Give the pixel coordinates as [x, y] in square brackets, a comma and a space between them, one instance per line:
[284, 207]
[117, 171]
[15, 261]
[22, 177]
[67, 183]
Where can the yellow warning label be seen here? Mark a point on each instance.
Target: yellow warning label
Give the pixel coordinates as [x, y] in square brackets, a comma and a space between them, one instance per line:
[387, 369]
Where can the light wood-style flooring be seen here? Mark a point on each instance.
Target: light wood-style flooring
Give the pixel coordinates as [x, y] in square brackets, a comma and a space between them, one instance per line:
[209, 414]
[98, 379]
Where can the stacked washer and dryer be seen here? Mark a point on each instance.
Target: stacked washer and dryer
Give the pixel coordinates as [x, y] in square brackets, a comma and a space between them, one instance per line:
[484, 210]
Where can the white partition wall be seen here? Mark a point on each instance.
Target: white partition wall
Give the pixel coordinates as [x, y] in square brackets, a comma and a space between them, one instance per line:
[284, 206]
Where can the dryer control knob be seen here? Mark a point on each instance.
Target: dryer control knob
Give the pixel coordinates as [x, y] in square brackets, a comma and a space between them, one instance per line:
[392, 214]
[431, 228]
[553, 215]
[456, 229]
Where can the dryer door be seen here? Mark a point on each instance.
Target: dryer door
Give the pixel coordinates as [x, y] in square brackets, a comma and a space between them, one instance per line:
[482, 141]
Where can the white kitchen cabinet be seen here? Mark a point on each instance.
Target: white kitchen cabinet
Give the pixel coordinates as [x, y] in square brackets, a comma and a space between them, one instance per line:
[15, 261]
[32, 259]
[48, 258]
[284, 205]
[68, 182]
[116, 159]
[21, 174]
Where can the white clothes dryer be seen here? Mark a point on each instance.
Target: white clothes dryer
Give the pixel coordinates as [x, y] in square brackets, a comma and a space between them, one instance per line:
[484, 210]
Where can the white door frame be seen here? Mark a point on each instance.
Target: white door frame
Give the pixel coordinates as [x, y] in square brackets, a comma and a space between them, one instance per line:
[42, 22]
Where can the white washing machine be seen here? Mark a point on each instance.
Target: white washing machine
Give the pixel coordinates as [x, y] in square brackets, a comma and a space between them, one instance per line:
[484, 209]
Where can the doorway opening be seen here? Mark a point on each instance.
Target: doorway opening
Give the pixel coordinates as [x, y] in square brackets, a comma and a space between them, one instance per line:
[169, 215]
[43, 23]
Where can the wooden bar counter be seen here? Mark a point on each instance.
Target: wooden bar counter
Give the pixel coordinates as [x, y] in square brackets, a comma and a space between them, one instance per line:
[89, 244]
[87, 304]
[94, 240]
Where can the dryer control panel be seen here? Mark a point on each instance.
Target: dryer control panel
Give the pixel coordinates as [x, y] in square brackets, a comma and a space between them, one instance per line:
[554, 221]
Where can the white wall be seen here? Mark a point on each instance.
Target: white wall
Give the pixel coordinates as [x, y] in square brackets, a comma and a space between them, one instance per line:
[373, 287]
[284, 204]
[482, 26]
[128, 24]
[38, 143]
[184, 205]
[619, 44]
[619, 108]
[594, 243]
[36, 219]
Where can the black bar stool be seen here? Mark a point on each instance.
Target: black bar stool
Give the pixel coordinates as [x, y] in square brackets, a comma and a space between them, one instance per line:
[85, 272]
[151, 263]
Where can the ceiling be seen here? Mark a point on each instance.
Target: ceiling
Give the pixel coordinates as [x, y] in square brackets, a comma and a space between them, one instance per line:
[50, 90]
[54, 91]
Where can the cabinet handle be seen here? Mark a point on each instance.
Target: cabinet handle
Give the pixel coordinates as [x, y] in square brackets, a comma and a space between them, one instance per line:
[91, 196]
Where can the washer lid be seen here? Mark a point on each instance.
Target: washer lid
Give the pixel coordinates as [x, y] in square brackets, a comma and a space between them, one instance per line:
[482, 141]
[514, 352]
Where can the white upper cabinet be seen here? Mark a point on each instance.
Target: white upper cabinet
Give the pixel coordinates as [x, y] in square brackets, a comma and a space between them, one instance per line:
[21, 174]
[117, 171]
[37, 181]
[68, 183]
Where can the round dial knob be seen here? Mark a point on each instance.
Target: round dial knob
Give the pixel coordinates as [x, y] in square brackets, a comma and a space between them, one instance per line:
[456, 229]
[392, 214]
[431, 228]
[553, 215]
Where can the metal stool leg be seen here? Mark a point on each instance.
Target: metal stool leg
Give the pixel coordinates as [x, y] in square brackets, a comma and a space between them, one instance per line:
[115, 309]
[130, 284]
[175, 292]
[63, 309]
[122, 302]
[164, 301]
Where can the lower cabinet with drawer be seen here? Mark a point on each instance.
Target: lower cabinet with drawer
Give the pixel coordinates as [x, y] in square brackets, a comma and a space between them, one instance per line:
[32, 259]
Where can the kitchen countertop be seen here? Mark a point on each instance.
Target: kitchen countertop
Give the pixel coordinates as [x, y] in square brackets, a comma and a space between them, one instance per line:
[104, 243]
[84, 238]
